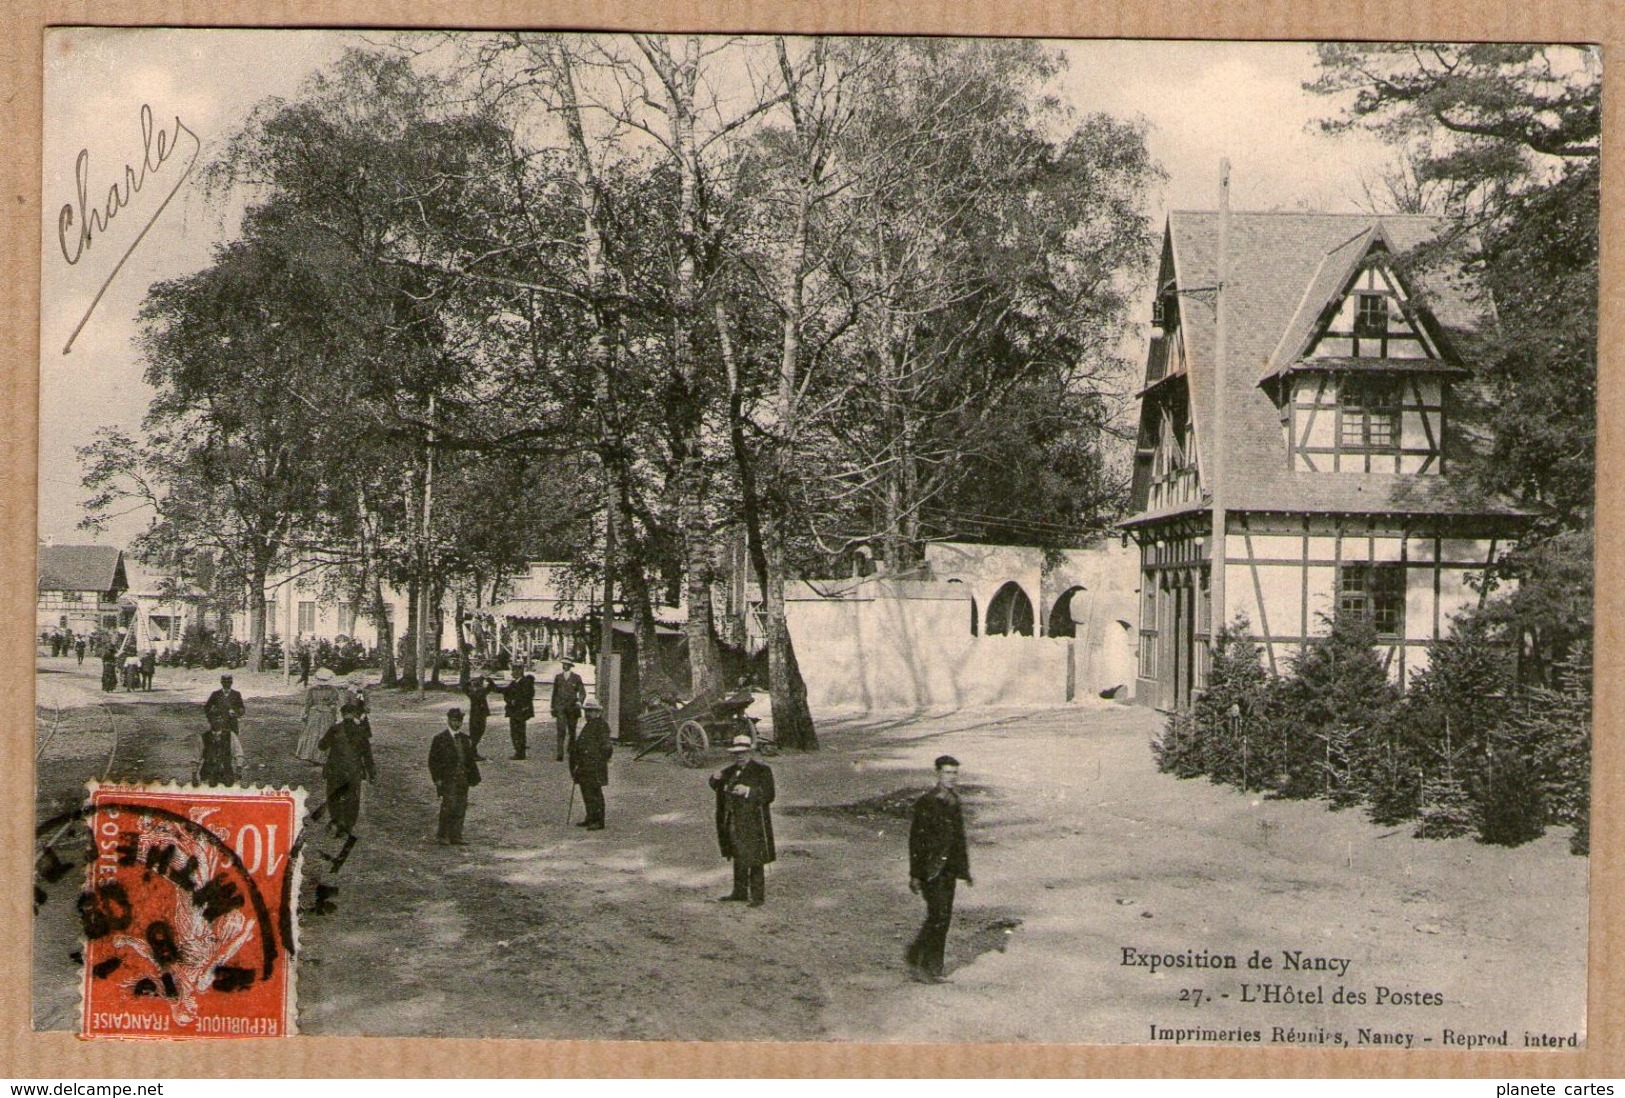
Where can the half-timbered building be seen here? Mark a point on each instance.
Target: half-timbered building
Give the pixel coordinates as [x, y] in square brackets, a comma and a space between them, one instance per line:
[1306, 425]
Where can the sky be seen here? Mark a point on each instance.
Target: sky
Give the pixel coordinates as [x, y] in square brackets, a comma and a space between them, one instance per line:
[1202, 102]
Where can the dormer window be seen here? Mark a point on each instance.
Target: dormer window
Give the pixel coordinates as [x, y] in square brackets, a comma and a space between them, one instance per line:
[1371, 316]
[1369, 415]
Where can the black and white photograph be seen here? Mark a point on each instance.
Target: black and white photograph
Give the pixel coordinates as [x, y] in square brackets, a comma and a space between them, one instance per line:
[873, 539]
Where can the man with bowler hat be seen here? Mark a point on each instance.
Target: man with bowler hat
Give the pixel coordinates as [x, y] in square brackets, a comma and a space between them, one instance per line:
[454, 772]
[590, 750]
[745, 821]
[568, 692]
[937, 858]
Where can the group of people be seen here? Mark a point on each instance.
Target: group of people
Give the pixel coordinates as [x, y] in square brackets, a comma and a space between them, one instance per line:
[337, 735]
[135, 670]
[63, 642]
[454, 754]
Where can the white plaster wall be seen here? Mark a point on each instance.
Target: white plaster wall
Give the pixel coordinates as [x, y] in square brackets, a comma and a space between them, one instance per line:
[918, 653]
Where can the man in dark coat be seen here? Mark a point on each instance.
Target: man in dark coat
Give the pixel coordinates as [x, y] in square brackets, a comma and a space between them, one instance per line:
[520, 696]
[79, 650]
[745, 821]
[109, 668]
[149, 667]
[568, 694]
[937, 858]
[479, 710]
[590, 750]
[348, 746]
[454, 771]
[224, 705]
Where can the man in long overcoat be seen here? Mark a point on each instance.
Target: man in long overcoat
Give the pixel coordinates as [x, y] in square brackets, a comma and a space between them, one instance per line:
[745, 821]
[225, 705]
[590, 750]
[454, 771]
[520, 697]
[348, 748]
[937, 858]
[568, 693]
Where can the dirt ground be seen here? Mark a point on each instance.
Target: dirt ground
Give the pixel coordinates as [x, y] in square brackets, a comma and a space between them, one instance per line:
[1079, 847]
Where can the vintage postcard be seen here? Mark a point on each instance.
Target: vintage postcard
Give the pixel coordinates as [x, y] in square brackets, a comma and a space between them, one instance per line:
[657, 536]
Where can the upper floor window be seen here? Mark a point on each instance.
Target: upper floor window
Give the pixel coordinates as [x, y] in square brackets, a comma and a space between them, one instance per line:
[1371, 315]
[1370, 415]
[73, 596]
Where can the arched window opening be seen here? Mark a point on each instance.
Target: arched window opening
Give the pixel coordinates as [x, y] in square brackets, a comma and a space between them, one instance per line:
[1010, 611]
[1061, 623]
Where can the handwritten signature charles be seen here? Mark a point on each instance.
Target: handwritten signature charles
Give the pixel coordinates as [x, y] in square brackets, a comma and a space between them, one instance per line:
[79, 224]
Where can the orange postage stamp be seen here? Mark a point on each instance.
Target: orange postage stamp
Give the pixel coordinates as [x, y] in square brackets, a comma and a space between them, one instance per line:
[188, 912]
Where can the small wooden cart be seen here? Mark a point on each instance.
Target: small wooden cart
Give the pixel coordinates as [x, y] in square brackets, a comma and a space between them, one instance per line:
[693, 729]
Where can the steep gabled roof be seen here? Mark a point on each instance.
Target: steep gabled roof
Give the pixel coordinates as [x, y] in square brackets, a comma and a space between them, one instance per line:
[1284, 269]
[81, 568]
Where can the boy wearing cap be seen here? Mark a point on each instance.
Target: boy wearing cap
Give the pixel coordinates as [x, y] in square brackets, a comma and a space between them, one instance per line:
[745, 821]
[568, 692]
[937, 858]
[454, 772]
[590, 750]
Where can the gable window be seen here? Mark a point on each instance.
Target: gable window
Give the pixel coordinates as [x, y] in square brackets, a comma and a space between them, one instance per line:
[1376, 592]
[1371, 316]
[1370, 415]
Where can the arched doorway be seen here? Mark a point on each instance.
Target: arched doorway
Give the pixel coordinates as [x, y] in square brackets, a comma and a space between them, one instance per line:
[1010, 611]
[1061, 623]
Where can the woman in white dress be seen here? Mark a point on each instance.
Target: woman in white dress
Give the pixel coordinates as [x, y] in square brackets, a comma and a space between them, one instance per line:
[322, 700]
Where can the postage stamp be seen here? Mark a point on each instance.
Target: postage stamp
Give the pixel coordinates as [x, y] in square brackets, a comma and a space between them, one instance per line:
[188, 911]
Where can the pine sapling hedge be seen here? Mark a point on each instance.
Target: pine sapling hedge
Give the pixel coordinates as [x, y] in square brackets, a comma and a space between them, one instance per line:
[1336, 705]
[1464, 751]
[1552, 730]
[1232, 715]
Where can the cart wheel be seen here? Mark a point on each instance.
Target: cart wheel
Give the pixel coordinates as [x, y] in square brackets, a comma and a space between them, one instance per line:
[692, 743]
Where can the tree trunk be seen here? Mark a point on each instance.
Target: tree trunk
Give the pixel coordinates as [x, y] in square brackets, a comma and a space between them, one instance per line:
[460, 615]
[409, 670]
[387, 674]
[792, 717]
[256, 614]
[437, 631]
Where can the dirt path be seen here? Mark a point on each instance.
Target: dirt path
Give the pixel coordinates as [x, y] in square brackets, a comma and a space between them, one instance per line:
[1080, 848]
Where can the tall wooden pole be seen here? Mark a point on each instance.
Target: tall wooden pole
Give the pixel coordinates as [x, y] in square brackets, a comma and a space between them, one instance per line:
[421, 626]
[1218, 616]
[287, 636]
[606, 609]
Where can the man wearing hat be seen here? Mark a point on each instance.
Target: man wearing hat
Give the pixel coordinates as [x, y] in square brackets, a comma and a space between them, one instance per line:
[589, 764]
[454, 772]
[224, 706]
[348, 747]
[745, 821]
[568, 692]
[937, 858]
[479, 710]
[520, 698]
